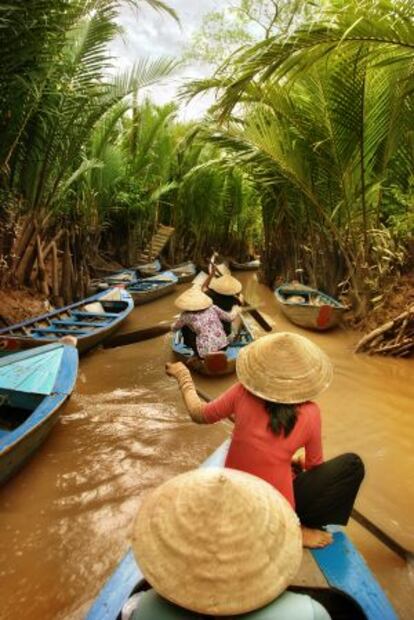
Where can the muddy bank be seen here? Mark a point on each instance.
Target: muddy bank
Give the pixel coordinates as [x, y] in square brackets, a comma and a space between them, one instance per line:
[19, 304]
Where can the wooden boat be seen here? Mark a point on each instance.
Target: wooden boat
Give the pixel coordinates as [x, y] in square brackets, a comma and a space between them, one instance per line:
[220, 363]
[148, 289]
[337, 576]
[308, 307]
[185, 272]
[91, 321]
[146, 270]
[120, 278]
[251, 265]
[34, 384]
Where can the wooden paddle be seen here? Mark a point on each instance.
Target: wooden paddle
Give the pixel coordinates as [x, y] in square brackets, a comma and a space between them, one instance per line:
[138, 335]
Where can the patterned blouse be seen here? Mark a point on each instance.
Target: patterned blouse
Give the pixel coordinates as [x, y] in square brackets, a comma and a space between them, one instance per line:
[206, 324]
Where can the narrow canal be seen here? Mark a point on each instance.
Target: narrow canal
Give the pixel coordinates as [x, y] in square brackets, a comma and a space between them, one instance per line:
[66, 517]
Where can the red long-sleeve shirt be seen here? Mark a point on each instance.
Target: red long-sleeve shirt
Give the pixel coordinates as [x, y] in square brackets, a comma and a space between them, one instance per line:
[255, 448]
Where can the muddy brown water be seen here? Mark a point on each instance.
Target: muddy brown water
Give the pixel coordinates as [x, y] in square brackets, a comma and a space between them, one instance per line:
[66, 518]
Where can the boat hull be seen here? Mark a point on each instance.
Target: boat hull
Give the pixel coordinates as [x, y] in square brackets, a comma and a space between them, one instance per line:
[214, 364]
[316, 317]
[18, 446]
[252, 265]
[145, 290]
[185, 272]
[19, 337]
[351, 590]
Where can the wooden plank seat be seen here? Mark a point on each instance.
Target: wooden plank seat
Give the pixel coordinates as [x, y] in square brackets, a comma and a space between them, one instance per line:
[81, 323]
[58, 330]
[97, 315]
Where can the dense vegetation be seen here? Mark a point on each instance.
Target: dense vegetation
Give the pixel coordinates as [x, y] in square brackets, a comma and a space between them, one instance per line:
[308, 152]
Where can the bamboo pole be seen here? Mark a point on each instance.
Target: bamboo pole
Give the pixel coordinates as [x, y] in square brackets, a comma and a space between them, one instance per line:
[55, 271]
[44, 286]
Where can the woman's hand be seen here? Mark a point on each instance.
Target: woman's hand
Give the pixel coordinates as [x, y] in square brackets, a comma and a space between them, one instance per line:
[174, 368]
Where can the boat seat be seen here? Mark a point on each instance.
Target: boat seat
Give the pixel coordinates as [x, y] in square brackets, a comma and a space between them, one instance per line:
[59, 330]
[98, 315]
[81, 323]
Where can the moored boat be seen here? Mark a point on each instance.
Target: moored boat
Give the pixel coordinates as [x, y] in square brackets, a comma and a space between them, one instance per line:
[251, 265]
[185, 272]
[337, 577]
[147, 289]
[34, 384]
[123, 277]
[308, 307]
[219, 363]
[91, 321]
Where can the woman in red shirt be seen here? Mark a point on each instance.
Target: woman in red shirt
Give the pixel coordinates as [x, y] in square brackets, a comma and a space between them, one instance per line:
[274, 416]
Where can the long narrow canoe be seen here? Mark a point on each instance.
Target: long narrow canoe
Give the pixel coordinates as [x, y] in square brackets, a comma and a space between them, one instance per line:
[120, 278]
[220, 363]
[336, 576]
[185, 272]
[251, 265]
[34, 384]
[308, 307]
[91, 321]
[148, 289]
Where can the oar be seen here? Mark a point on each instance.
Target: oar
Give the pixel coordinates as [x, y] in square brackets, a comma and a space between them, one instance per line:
[366, 523]
[138, 335]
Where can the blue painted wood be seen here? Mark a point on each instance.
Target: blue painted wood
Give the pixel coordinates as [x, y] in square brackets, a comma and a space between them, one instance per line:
[341, 563]
[117, 590]
[16, 446]
[91, 335]
[80, 323]
[345, 569]
[33, 371]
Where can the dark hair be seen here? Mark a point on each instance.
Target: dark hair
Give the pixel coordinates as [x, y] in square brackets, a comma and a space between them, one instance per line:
[282, 417]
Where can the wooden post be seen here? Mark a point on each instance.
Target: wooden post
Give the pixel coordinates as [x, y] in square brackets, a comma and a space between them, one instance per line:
[55, 271]
[44, 286]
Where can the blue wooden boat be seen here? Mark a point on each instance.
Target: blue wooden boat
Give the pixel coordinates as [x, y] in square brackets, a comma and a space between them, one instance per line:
[219, 363]
[34, 384]
[345, 585]
[120, 278]
[308, 307]
[148, 289]
[91, 321]
[251, 265]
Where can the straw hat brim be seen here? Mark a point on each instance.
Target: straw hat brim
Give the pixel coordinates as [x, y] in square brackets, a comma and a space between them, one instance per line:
[217, 541]
[284, 368]
[225, 285]
[193, 300]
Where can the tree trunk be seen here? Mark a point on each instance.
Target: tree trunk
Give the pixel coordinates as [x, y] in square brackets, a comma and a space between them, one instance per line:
[42, 276]
[66, 284]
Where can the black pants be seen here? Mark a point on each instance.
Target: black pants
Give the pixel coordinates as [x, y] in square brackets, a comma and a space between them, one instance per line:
[326, 494]
[190, 339]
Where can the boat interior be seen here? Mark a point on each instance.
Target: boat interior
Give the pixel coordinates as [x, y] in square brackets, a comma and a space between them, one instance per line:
[339, 605]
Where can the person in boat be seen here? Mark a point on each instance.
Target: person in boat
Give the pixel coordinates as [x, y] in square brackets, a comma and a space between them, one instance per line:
[274, 415]
[201, 322]
[216, 543]
[225, 293]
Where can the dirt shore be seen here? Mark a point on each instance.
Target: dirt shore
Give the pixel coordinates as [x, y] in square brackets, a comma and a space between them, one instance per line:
[18, 305]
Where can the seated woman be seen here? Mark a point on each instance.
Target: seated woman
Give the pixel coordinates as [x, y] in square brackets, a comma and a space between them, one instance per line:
[203, 320]
[225, 291]
[274, 416]
[216, 543]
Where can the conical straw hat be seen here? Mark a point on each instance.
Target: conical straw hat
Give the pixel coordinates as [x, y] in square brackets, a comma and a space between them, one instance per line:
[217, 541]
[193, 299]
[226, 285]
[284, 368]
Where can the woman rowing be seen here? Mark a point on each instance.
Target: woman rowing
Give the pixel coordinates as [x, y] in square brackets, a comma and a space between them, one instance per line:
[201, 322]
[216, 543]
[274, 416]
[225, 293]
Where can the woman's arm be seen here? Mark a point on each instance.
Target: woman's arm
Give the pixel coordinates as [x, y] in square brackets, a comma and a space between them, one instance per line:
[179, 324]
[202, 413]
[228, 316]
[185, 383]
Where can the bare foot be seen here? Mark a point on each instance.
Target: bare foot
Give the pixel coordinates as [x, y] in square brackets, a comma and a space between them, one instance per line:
[315, 539]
